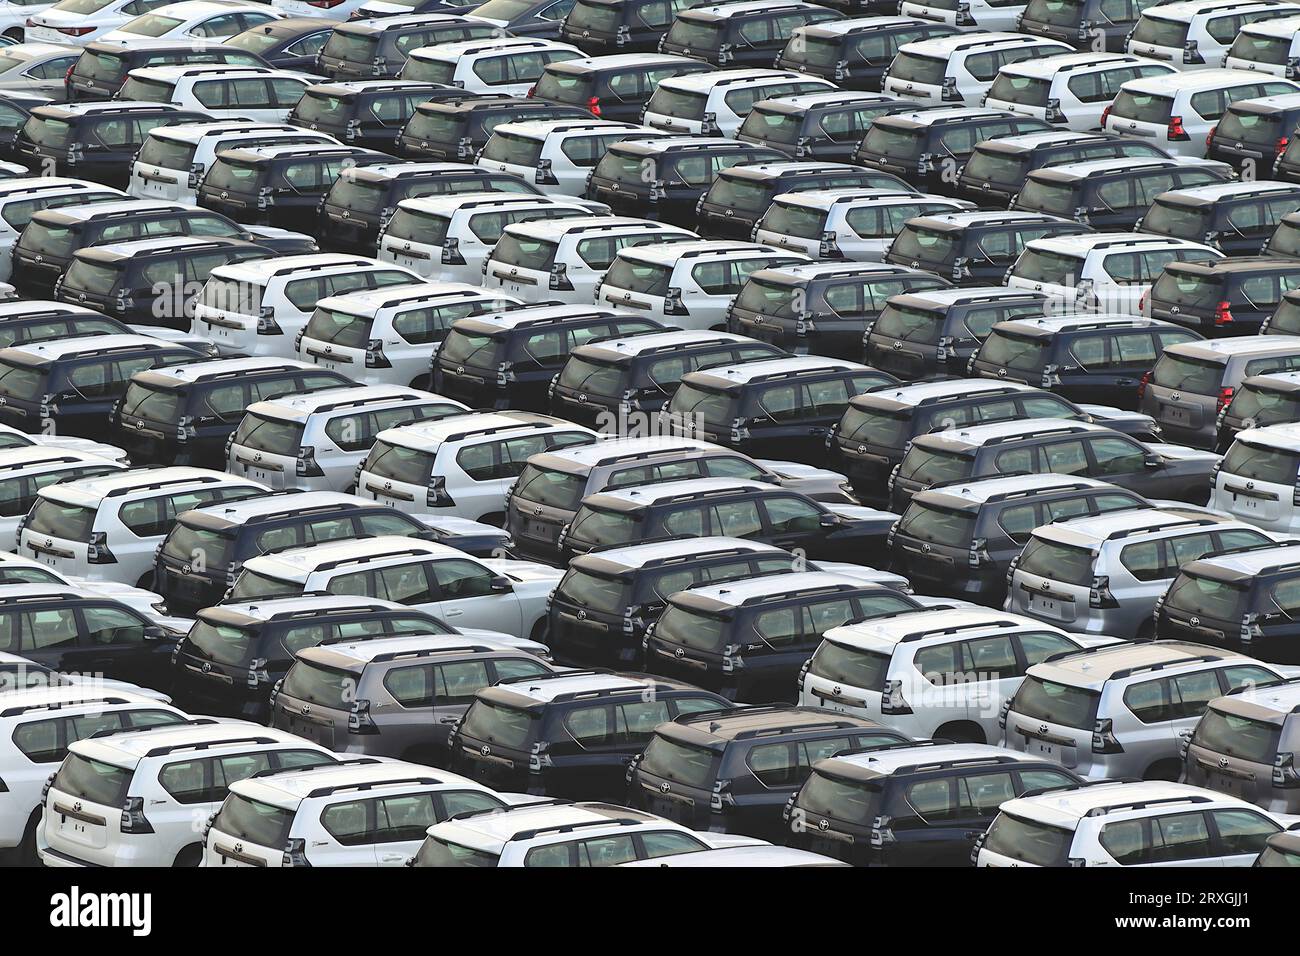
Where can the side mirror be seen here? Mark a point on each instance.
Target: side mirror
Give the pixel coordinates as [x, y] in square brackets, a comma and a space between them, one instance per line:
[501, 585]
[1153, 461]
[829, 520]
[153, 632]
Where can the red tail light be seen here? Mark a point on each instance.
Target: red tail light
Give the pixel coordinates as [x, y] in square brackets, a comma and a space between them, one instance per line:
[1280, 148]
[1176, 131]
[1210, 135]
[1142, 304]
[1142, 384]
[70, 31]
[1104, 115]
[324, 4]
[67, 77]
[593, 104]
[1225, 396]
[532, 91]
[1223, 314]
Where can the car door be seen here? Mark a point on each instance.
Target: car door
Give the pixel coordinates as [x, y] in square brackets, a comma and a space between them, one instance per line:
[466, 597]
[352, 826]
[1240, 835]
[1122, 461]
[793, 522]
[133, 648]
[400, 822]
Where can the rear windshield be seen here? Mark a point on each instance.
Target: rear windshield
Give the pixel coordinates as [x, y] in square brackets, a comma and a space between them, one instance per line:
[594, 591]
[893, 143]
[930, 466]
[1200, 377]
[926, 245]
[593, 378]
[1176, 219]
[56, 241]
[549, 486]
[1206, 596]
[83, 276]
[938, 525]
[747, 195]
[103, 66]
[1160, 32]
[602, 17]
[1022, 90]
[851, 801]
[262, 824]
[231, 295]
[600, 528]
[770, 298]
[1287, 317]
[695, 34]
[1241, 737]
[853, 666]
[232, 176]
[495, 723]
[321, 685]
[339, 328]
[147, 91]
[1143, 107]
[681, 103]
[1061, 13]
[419, 226]
[791, 219]
[275, 435]
[358, 194]
[1057, 198]
[47, 132]
[1262, 463]
[996, 166]
[918, 69]
[436, 852]
[59, 520]
[648, 278]
[155, 404]
[399, 463]
[524, 252]
[682, 763]
[1251, 127]
[564, 87]
[1182, 288]
[471, 348]
[706, 405]
[513, 148]
[187, 544]
[1059, 562]
[22, 381]
[1261, 49]
[316, 107]
[166, 152]
[702, 632]
[773, 126]
[1056, 703]
[1029, 841]
[1039, 265]
[1263, 406]
[875, 426]
[92, 780]
[221, 644]
[1276, 857]
[251, 586]
[1025, 353]
[357, 47]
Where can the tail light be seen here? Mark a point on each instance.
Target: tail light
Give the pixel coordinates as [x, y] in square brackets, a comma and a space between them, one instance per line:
[97, 551]
[1105, 115]
[673, 304]
[881, 833]
[593, 104]
[1223, 313]
[375, 357]
[721, 797]
[436, 496]
[72, 31]
[892, 700]
[532, 90]
[1284, 772]
[1191, 54]
[1103, 738]
[359, 721]
[544, 174]
[49, 782]
[133, 818]
[266, 324]
[949, 91]
[560, 277]
[1280, 147]
[1210, 135]
[1142, 384]
[257, 673]
[1002, 713]
[1099, 593]
[1225, 396]
[978, 552]
[305, 466]
[538, 758]
[1176, 131]
[451, 252]
[295, 851]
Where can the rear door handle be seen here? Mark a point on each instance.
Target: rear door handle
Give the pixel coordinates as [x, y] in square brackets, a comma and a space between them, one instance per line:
[453, 613]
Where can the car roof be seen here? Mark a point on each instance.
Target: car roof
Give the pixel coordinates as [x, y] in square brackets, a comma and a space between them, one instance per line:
[30, 456]
[1090, 530]
[917, 393]
[129, 747]
[404, 646]
[1271, 702]
[91, 491]
[978, 435]
[1093, 667]
[1090, 168]
[17, 703]
[1214, 191]
[737, 593]
[980, 491]
[632, 345]
[348, 777]
[728, 376]
[192, 373]
[886, 762]
[643, 495]
[1286, 435]
[947, 45]
[738, 78]
[633, 557]
[589, 456]
[1065, 808]
[733, 856]
[1248, 564]
[554, 229]
[1082, 243]
[259, 271]
[1048, 66]
[301, 562]
[850, 195]
[237, 512]
[1238, 345]
[1193, 80]
[1047, 325]
[915, 626]
[301, 407]
[265, 610]
[429, 435]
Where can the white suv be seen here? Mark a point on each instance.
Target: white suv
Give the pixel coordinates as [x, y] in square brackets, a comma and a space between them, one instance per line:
[258, 307]
[16, 569]
[690, 285]
[563, 260]
[717, 102]
[1269, 46]
[20, 199]
[36, 728]
[557, 155]
[24, 471]
[959, 69]
[973, 15]
[450, 237]
[388, 336]
[1126, 824]
[364, 812]
[567, 834]
[1196, 35]
[316, 441]
[142, 797]
[1100, 271]
[107, 528]
[1069, 90]
[1258, 480]
[495, 594]
[255, 93]
[854, 223]
[463, 466]
[505, 64]
[912, 672]
[173, 159]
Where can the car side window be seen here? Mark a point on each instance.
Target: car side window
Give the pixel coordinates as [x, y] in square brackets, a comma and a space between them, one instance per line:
[349, 823]
[1116, 456]
[111, 626]
[787, 514]
[1242, 831]
[1037, 646]
[457, 683]
[458, 578]
[1144, 560]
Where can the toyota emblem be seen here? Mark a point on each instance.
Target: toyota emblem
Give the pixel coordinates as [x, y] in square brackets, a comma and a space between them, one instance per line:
[1174, 309]
[680, 652]
[207, 667]
[460, 370]
[582, 614]
[1194, 621]
[388, 486]
[49, 542]
[1250, 485]
[728, 213]
[582, 398]
[664, 788]
[185, 569]
[1045, 586]
[225, 195]
[823, 824]
[485, 750]
[304, 710]
[1002, 373]
[837, 690]
[1043, 728]
[77, 806]
[40, 259]
[328, 349]
[862, 449]
[925, 548]
[537, 510]
[916, 263]
[1175, 396]
[257, 457]
[897, 345]
[1223, 763]
[139, 424]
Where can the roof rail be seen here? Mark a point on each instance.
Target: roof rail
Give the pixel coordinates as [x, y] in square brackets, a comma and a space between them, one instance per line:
[114, 731]
[371, 784]
[208, 744]
[302, 768]
[60, 704]
[367, 558]
[1144, 804]
[430, 652]
[956, 628]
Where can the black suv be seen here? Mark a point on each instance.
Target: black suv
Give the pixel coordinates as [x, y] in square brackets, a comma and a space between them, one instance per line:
[997, 169]
[361, 201]
[1082, 23]
[567, 734]
[748, 639]
[973, 248]
[94, 141]
[823, 125]
[454, 130]
[1253, 134]
[36, 320]
[75, 382]
[1243, 600]
[150, 281]
[508, 360]
[288, 44]
[929, 147]
[733, 771]
[1108, 194]
[226, 535]
[737, 35]
[1223, 297]
[365, 113]
[960, 540]
[933, 334]
[683, 168]
[1260, 400]
[740, 195]
[621, 26]
[911, 804]
[372, 49]
[599, 612]
[234, 655]
[183, 416]
[1086, 358]
[614, 87]
[278, 186]
[696, 508]
[52, 236]
[1049, 446]
[821, 309]
[75, 633]
[878, 427]
[777, 408]
[1285, 241]
[616, 380]
[1235, 218]
[101, 69]
[854, 54]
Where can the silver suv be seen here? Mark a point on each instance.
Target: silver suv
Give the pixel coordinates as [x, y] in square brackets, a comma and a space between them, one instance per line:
[1103, 574]
[1117, 711]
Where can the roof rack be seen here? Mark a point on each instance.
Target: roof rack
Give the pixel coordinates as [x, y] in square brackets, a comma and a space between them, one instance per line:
[430, 652]
[832, 724]
[303, 768]
[1162, 665]
[893, 745]
[1171, 526]
[1066, 486]
[579, 825]
[1144, 804]
[1081, 785]
[208, 744]
[155, 485]
[60, 704]
[367, 558]
[371, 784]
[483, 811]
[114, 731]
[1040, 433]
[698, 555]
[955, 629]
